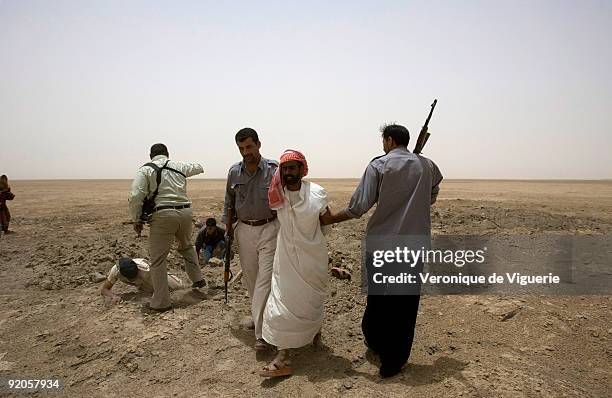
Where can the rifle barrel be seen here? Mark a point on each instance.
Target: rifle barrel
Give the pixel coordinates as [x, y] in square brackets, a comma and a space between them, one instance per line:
[431, 112]
[424, 135]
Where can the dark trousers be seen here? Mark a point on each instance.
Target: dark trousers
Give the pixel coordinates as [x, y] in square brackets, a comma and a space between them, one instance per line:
[388, 327]
[5, 217]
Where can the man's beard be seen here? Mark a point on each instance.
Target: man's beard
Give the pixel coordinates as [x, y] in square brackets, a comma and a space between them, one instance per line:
[291, 180]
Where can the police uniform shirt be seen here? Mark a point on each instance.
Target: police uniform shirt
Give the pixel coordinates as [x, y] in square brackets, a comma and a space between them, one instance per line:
[402, 185]
[247, 193]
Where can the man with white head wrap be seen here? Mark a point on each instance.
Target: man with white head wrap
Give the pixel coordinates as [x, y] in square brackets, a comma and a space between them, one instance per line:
[294, 311]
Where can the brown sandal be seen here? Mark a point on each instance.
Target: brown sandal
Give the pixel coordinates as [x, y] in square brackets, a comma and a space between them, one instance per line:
[340, 273]
[274, 370]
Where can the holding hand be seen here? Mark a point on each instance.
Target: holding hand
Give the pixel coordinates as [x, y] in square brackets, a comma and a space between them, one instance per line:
[325, 218]
[138, 228]
[332, 218]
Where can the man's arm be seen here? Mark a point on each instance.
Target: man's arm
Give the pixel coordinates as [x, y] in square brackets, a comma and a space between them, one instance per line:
[228, 206]
[364, 197]
[219, 236]
[434, 194]
[332, 218]
[366, 194]
[229, 230]
[105, 291]
[108, 294]
[140, 189]
[199, 242]
[436, 179]
[192, 169]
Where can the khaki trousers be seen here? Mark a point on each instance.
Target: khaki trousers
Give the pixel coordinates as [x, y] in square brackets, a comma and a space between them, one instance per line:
[166, 225]
[256, 248]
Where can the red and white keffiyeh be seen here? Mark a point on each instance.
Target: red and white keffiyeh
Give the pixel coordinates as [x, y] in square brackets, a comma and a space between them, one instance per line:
[275, 192]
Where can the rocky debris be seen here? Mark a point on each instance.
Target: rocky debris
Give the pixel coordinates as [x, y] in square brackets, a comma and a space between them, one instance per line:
[433, 349]
[340, 259]
[107, 258]
[215, 262]
[31, 282]
[97, 277]
[46, 284]
[510, 314]
[5, 365]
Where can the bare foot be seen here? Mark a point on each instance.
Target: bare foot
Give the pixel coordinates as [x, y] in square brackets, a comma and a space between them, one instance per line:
[279, 367]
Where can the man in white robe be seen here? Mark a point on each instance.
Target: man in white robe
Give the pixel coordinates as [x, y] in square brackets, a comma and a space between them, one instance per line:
[294, 311]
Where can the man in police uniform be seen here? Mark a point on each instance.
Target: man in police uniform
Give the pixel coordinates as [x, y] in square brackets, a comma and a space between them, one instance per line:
[246, 203]
[171, 219]
[404, 186]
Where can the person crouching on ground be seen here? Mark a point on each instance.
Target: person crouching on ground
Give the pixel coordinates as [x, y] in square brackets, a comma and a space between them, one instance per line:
[134, 272]
[212, 239]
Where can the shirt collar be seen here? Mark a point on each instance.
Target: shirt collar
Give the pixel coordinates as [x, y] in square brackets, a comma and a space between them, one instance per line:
[301, 192]
[260, 165]
[399, 149]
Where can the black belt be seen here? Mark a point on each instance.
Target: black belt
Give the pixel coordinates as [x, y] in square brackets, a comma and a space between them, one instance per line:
[257, 223]
[171, 207]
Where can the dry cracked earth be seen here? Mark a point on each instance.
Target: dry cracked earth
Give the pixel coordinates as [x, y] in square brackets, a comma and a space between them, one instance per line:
[68, 233]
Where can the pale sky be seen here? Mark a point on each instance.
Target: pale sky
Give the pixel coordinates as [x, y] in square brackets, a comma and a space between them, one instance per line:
[524, 88]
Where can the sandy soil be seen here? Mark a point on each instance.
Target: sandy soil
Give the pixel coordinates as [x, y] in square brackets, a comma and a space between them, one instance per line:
[55, 324]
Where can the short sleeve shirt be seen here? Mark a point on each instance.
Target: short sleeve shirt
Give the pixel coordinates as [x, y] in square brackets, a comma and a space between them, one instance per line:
[401, 184]
[247, 193]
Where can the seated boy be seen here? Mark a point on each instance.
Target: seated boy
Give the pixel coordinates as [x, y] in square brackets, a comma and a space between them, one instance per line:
[212, 239]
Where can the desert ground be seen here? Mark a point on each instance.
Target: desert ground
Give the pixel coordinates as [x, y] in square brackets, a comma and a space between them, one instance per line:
[54, 323]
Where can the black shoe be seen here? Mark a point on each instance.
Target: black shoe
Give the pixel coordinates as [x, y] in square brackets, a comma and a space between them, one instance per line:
[369, 347]
[150, 309]
[389, 371]
[198, 284]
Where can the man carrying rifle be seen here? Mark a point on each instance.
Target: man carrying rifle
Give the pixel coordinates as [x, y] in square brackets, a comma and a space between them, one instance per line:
[403, 185]
[246, 204]
[165, 182]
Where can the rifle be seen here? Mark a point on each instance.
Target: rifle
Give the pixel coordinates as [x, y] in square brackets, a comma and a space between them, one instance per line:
[424, 135]
[227, 273]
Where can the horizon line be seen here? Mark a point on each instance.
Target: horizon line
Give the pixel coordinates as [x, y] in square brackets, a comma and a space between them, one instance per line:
[331, 178]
